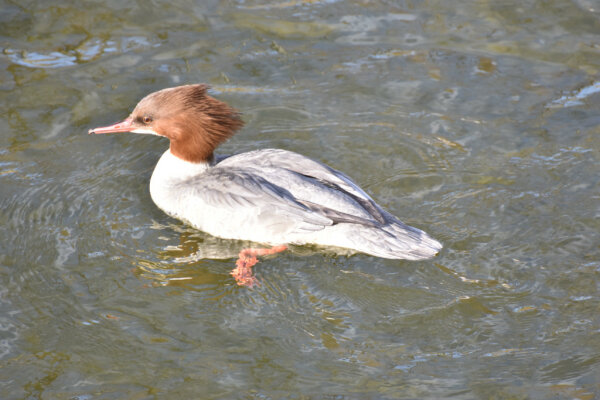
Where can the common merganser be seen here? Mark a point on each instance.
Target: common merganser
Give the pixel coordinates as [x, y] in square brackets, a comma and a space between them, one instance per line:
[270, 196]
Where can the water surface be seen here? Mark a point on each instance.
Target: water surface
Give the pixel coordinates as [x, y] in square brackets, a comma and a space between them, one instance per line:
[477, 122]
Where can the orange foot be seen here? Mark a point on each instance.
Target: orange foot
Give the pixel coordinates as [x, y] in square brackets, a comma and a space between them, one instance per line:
[247, 258]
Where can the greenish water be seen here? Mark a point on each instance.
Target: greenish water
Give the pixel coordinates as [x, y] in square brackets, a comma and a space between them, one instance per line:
[476, 121]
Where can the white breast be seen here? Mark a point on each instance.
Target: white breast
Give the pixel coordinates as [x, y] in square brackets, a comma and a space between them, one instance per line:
[169, 175]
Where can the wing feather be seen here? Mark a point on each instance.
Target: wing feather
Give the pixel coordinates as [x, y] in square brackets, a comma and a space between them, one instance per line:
[319, 174]
[244, 193]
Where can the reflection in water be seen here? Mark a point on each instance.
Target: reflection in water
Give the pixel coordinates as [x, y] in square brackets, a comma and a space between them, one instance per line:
[86, 51]
[36, 60]
[183, 262]
[578, 98]
[187, 261]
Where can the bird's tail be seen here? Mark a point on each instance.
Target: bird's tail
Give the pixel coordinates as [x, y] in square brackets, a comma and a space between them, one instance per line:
[396, 240]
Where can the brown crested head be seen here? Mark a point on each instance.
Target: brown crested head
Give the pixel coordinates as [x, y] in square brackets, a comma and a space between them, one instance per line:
[194, 122]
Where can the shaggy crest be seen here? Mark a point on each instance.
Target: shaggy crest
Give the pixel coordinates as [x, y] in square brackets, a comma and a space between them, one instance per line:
[194, 122]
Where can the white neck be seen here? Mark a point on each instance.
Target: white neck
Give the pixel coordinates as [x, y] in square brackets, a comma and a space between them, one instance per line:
[168, 179]
[171, 168]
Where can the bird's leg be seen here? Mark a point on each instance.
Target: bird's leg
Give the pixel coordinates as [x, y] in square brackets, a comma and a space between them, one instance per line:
[246, 259]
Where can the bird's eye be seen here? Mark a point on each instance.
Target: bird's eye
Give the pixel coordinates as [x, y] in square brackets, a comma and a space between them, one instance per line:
[147, 119]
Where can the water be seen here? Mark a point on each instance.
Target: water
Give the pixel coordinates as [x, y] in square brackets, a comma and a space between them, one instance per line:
[477, 122]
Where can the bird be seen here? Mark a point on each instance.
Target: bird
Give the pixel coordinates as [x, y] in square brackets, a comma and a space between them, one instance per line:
[275, 197]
